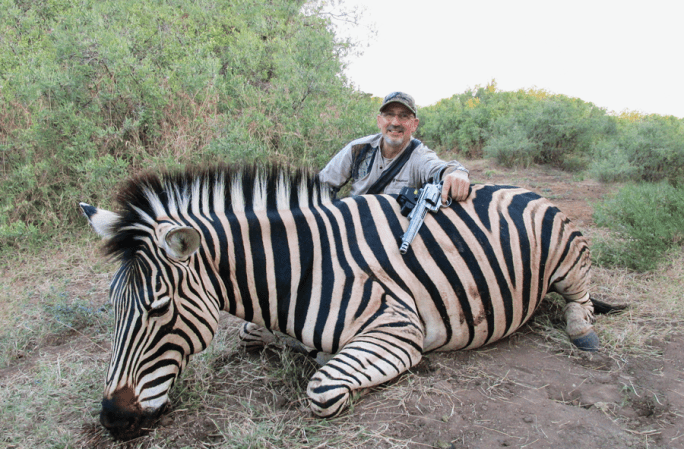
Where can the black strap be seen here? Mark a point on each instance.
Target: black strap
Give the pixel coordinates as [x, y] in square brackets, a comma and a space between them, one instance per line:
[389, 174]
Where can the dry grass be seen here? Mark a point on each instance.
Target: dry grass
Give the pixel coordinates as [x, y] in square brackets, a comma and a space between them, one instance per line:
[49, 293]
[656, 306]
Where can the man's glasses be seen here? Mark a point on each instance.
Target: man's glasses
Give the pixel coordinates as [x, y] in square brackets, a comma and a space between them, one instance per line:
[403, 117]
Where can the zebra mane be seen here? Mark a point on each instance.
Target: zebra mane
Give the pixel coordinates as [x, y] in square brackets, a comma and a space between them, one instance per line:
[221, 189]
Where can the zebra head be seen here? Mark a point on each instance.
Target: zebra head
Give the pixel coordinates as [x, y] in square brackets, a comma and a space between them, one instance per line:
[163, 314]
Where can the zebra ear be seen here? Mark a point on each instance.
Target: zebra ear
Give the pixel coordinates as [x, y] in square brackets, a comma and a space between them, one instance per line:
[181, 242]
[102, 221]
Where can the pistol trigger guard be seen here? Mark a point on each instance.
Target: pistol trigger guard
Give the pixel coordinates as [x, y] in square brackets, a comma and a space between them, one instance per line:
[448, 203]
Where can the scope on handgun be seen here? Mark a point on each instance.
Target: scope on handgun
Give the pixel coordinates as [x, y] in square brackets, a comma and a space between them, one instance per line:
[408, 196]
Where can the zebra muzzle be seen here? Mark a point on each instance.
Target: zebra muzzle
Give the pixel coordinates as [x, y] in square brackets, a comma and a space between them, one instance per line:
[125, 420]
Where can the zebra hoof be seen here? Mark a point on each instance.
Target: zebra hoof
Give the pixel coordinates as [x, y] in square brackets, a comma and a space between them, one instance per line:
[588, 342]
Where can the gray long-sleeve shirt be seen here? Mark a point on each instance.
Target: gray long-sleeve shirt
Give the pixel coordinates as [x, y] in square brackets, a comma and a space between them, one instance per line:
[421, 166]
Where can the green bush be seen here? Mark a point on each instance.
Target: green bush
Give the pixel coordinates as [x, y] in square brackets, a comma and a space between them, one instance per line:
[611, 164]
[644, 148]
[647, 220]
[94, 91]
[558, 131]
[535, 127]
[517, 128]
[463, 123]
[655, 147]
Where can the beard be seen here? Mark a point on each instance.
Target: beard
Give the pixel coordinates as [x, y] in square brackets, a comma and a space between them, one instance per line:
[395, 142]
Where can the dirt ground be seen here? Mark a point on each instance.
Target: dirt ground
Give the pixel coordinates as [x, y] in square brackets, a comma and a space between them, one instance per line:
[520, 395]
[524, 391]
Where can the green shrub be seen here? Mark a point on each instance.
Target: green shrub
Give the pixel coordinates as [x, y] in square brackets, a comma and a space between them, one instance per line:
[558, 131]
[610, 163]
[647, 220]
[645, 148]
[514, 149]
[517, 128]
[655, 147]
[16, 231]
[463, 123]
[94, 91]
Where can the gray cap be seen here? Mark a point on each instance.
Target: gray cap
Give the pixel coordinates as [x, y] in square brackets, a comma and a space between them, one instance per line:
[402, 98]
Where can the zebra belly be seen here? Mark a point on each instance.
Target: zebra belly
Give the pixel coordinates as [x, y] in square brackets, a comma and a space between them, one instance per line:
[482, 275]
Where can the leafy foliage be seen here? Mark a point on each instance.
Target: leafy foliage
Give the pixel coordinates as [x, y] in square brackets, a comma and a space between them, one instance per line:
[558, 131]
[95, 90]
[535, 127]
[464, 122]
[517, 128]
[648, 220]
[647, 148]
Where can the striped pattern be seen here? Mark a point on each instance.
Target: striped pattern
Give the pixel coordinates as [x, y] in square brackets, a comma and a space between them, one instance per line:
[272, 248]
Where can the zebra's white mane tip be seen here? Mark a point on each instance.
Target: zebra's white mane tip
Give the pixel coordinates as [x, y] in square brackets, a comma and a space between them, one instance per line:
[223, 188]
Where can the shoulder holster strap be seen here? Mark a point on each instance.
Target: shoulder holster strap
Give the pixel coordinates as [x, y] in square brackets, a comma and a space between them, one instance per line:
[389, 174]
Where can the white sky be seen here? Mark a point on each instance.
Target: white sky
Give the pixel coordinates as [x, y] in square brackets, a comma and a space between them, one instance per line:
[616, 54]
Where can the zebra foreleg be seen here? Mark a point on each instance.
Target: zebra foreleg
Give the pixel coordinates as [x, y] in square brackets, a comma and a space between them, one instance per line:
[579, 318]
[371, 358]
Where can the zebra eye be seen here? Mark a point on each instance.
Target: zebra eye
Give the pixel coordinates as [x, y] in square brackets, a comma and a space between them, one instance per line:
[159, 307]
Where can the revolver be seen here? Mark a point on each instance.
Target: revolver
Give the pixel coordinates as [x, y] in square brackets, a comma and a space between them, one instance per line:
[415, 203]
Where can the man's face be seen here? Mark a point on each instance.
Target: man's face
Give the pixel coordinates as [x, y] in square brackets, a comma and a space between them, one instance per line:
[397, 123]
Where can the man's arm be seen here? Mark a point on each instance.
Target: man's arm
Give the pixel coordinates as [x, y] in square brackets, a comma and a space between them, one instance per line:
[337, 172]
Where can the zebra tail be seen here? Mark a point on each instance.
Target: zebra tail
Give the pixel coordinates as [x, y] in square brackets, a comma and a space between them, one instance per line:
[601, 307]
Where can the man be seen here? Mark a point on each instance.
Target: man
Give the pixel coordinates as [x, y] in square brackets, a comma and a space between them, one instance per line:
[392, 159]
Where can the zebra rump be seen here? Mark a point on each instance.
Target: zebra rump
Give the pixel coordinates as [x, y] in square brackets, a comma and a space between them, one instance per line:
[270, 246]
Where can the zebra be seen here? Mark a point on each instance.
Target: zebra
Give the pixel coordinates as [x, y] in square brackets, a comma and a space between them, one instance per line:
[270, 245]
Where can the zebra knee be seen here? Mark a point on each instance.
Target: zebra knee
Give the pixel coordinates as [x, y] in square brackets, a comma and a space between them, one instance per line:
[254, 337]
[327, 399]
[579, 316]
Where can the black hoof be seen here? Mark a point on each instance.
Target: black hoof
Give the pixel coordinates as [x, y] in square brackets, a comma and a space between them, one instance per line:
[588, 342]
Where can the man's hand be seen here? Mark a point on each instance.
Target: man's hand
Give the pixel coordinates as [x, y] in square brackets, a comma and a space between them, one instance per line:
[456, 185]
